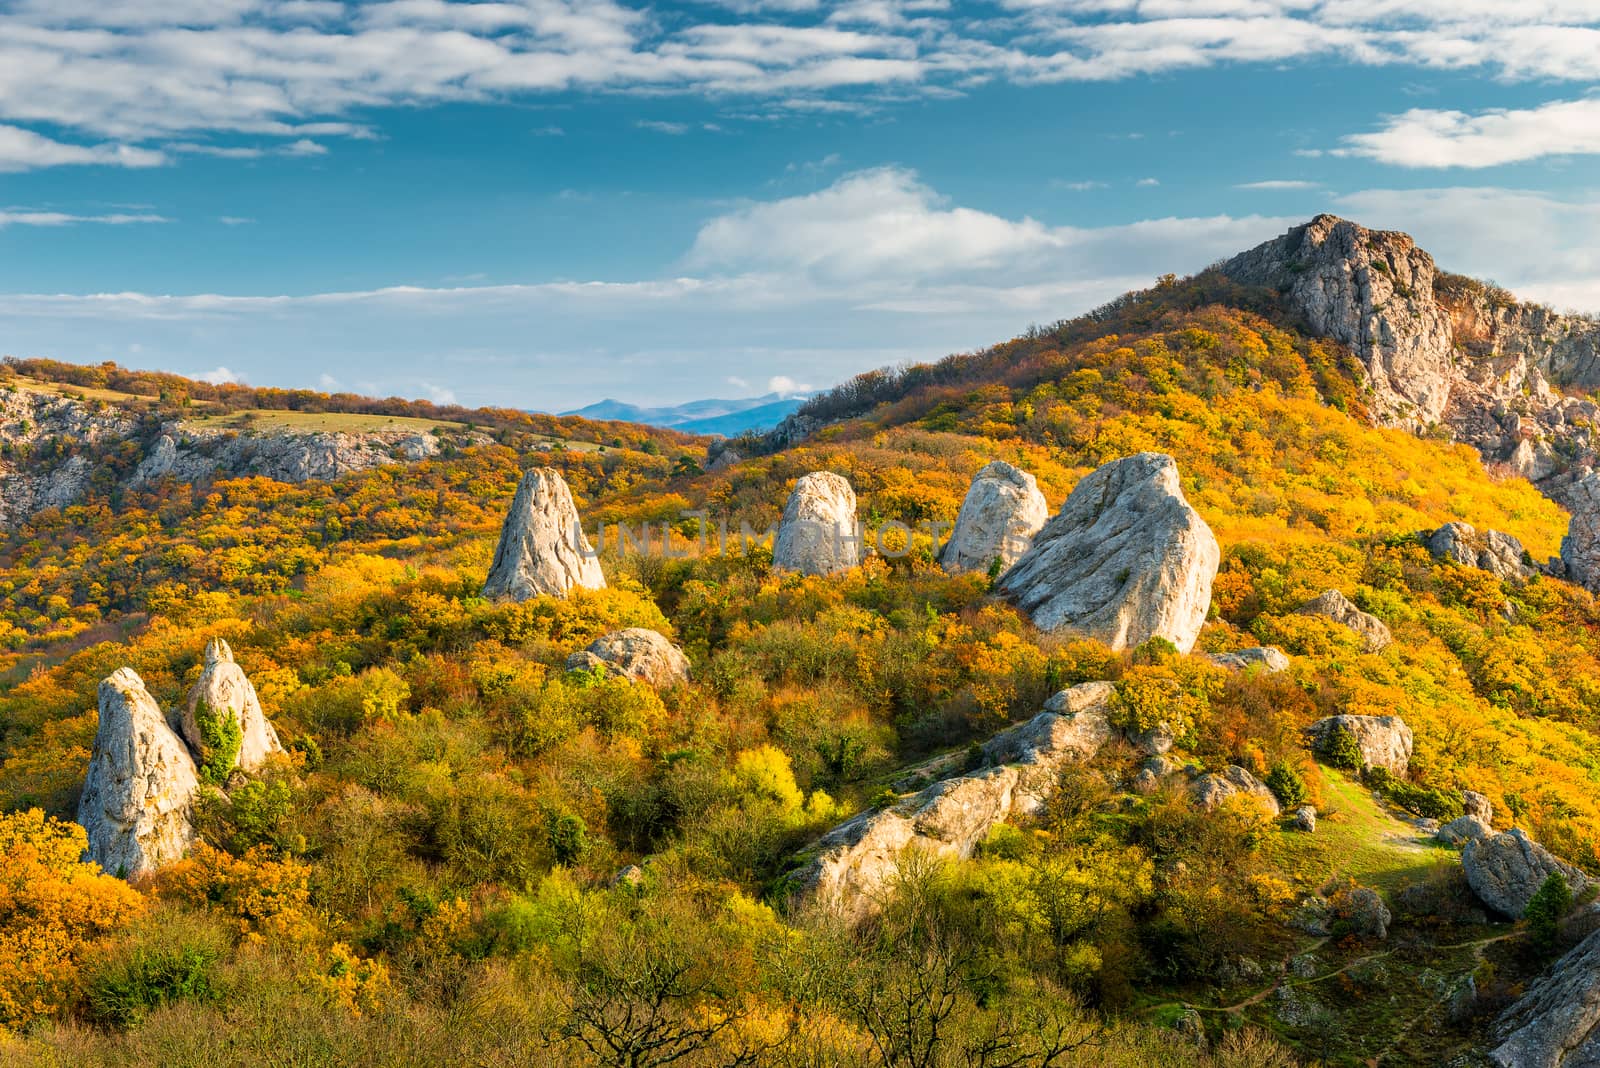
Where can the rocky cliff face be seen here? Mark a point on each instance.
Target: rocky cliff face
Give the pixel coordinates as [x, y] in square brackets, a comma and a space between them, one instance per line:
[1445, 351]
[1125, 560]
[1556, 1024]
[542, 549]
[141, 784]
[225, 691]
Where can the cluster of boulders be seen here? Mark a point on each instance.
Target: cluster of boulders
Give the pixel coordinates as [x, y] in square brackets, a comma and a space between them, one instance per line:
[1497, 553]
[144, 773]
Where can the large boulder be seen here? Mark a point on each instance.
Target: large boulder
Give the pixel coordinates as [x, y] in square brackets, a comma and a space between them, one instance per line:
[1556, 1022]
[138, 797]
[1499, 554]
[1265, 658]
[1461, 830]
[636, 652]
[1334, 605]
[1002, 512]
[225, 691]
[1505, 871]
[852, 863]
[819, 533]
[1385, 741]
[1213, 788]
[1125, 560]
[542, 550]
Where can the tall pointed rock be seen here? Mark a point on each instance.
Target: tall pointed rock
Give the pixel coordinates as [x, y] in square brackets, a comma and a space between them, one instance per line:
[1002, 512]
[138, 797]
[542, 550]
[819, 533]
[223, 693]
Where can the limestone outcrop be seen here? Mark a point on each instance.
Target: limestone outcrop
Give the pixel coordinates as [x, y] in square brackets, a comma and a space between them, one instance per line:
[224, 690]
[1125, 560]
[542, 549]
[854, 861]
[1213, 788]
[1556, 1022]
[138, 796]
[1334, 605]
[638, 653]
[1267, 658]
[819, 533]
[1002, 512]
[1499, 554]
[1385, 741]
[1506, 870]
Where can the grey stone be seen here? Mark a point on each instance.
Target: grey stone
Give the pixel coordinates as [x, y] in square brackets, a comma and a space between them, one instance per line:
[1499, 554]
[636, 652]
[224, 688]
[1001, 513]
[1268, 658]
[1385, 741]
[1463, 829]
[542, 550]
[1305, 819]
[1125, 560]
[1556, 1023]
[1213, 788]
[1332, 604]
[819, 533]
[1506, 870]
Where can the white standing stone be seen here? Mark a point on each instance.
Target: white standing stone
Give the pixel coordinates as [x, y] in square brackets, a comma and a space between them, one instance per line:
[225, 689]
[1002, 512]
[542, 550]
[819, 534]
[138, 797]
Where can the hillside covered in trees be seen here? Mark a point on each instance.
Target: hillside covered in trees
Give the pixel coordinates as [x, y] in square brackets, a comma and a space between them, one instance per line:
[466, 853]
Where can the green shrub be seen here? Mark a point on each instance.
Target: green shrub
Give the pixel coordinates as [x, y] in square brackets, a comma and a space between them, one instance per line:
[170, 957]
[1286, 784]
[1547, 908]
[1341, 749]
[220, 739]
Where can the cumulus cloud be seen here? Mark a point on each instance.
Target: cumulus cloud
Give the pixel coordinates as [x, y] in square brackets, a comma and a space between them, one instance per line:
[785, 386]
[1424, 137]
[24, 150]
[218, 376]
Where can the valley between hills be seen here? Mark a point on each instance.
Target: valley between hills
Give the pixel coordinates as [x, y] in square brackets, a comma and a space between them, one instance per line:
[1247, 715]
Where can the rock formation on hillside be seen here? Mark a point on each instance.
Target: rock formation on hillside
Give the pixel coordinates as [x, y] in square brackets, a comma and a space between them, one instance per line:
[1499, 554]
[1334, 605]
[1125, 560]
[1213, 788]
[948, 819]
[1002, 512]
[1385, 741]
[1556, 1022]
[1506, 870]
[138, 796]
[1267, 658]
[636, 652]
[819, 533]
[225, 690]
[192, 454]
[542, 549]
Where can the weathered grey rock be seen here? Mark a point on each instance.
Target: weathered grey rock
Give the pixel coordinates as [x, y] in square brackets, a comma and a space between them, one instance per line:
[1461, 830]
[1374, 293]
[1499, 554]
[1580, 548]
[1002, 512]
[1385, 741]
[1364, 912]
[720, 459]
[1125, 560]
[1156, 741]
[1478, 806]
[1556, 1022]
[225, 690]
[1336, 606]
[542, 549]
[819, 533]
[636, 652]
[1312, 916]
[1267, 658]
[1213, 788]
[1305, 819]
[1153, 772]
[1506, 870]
[854, 861]
[1084, 697]
[138, 796]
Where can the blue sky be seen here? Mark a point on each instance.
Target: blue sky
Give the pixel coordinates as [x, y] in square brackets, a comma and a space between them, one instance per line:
[544, 202]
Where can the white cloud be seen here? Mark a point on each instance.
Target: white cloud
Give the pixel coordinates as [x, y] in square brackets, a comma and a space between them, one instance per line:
[1076, 187]
[24, 150]
[1425, 137]
[1277, 185]
[57, 218]
[672, 129]
[235, 220]
[1148, 183]
[217, 377]
[785, 386]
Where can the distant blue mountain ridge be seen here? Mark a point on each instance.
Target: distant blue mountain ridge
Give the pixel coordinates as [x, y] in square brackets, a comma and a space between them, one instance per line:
[726, 417]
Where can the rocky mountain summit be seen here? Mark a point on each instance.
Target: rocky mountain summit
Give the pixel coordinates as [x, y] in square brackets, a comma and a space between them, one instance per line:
[1446, 352]
[542, 549]
[1125, 560]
